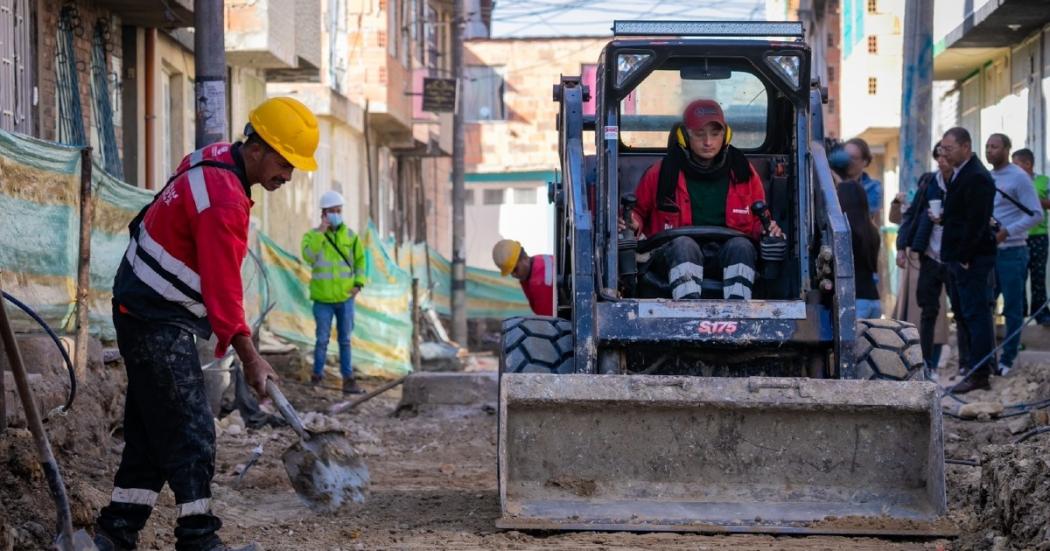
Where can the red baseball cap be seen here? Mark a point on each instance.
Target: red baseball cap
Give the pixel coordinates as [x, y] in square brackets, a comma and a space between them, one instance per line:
[702, 111]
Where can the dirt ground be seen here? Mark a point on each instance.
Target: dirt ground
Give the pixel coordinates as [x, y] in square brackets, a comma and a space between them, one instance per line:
[434, 482]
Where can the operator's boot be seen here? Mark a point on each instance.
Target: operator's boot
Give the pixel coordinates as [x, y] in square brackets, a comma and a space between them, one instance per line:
[316, 379]
[350, 386]
[103, 542]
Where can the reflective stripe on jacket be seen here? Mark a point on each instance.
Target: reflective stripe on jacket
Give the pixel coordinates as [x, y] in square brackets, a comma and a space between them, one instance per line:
[332, 278]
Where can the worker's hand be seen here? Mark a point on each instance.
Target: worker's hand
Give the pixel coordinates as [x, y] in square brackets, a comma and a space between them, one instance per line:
[965, 265]
[354, 292]
[774, 229]
[936, 219]
[902, 258]
[256, 372]
[324, 224]
[1002, 235]
[633, 223]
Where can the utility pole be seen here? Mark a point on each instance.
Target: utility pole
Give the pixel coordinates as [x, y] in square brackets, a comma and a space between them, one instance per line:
[459, 255]
[209, 51]
[917, 99]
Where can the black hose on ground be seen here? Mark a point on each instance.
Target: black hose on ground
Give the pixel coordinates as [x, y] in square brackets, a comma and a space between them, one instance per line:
[965, 462]
[950, 391]
[65, 355]
[1031, 433]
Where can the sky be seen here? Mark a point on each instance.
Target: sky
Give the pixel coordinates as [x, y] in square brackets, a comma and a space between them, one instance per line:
[519, 18]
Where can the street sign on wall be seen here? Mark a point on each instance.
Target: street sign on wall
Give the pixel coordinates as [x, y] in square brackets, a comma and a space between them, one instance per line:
[439, 95]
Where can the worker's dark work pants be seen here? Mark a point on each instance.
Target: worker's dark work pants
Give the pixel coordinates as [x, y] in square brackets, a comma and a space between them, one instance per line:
[677, 269]
[169, 436]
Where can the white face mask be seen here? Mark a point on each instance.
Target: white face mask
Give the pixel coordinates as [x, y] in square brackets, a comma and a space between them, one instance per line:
[335, 219]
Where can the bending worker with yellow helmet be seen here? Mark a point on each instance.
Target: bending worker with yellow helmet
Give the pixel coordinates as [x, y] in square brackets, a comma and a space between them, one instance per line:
[536, 274]
[179, 278]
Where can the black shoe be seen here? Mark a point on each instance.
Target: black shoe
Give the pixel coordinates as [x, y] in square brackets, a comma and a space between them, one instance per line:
[975, 382]
[350, 386]
[316, 379]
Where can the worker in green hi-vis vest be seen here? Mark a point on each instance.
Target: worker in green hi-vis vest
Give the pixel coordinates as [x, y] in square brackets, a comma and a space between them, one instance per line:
[337, 261]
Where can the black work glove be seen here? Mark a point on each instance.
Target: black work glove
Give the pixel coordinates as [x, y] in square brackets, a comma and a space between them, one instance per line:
[773, 249]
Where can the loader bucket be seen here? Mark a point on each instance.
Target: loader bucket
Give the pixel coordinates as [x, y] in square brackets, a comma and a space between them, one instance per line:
[717, 455]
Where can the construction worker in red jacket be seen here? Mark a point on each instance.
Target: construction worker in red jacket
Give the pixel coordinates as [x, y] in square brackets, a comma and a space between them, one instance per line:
[180, 278]
[701, 181]
[536, 274]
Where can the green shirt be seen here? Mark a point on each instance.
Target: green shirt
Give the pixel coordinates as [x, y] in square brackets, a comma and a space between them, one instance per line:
[707, 200]
[1041, 184]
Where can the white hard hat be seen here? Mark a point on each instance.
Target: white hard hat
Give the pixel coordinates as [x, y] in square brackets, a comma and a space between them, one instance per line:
[331, 199]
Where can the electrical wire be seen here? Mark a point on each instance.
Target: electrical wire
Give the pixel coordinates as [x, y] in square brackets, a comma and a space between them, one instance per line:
[65, 355]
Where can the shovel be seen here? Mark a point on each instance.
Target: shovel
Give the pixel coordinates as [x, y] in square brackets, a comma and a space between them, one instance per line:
[324, 470]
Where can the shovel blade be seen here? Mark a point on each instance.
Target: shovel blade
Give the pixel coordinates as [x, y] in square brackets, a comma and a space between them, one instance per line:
[326, 472]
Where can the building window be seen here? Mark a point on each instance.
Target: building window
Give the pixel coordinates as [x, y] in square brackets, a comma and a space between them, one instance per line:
[831, 73]
[483, 94]
[873, 86]
[468, 197]
[831, 40]
[873, 6]
[873, 44]
[492, 197]
[831, 104]
[525, 196]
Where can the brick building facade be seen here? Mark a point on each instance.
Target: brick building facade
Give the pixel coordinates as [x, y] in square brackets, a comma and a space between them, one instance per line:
[512, 138]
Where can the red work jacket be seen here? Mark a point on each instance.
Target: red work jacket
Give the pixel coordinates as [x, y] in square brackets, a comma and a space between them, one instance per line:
[742, 193]
[539, 287]
[183, 263]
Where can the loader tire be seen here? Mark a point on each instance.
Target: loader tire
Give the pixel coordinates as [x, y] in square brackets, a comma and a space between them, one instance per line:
[536, 345]
[888, 349]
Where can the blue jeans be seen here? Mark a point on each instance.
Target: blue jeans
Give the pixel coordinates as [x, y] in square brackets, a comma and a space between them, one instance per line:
[344, 325]
[868, 309]
[1011, 268]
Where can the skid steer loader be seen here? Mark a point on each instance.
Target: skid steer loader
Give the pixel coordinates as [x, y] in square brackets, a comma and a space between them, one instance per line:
[780, 414]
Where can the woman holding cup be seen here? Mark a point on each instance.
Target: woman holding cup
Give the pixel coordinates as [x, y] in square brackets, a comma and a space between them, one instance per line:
[920, 236]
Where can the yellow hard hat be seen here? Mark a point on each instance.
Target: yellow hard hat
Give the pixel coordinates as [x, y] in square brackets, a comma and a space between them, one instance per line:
[506, 254]
[289, 127]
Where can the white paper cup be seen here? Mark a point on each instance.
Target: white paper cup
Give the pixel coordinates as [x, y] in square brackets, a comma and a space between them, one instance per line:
[935, 208]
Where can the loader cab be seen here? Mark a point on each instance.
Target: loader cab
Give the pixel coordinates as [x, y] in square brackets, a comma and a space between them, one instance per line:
[642, 90]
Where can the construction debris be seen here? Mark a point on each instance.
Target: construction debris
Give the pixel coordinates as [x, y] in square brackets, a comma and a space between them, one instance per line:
[975, 410]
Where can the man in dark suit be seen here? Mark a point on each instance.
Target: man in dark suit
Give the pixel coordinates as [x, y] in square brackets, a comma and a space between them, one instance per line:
[968, 247]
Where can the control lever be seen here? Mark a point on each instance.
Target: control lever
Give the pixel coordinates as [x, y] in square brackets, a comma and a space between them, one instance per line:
[761, 210]
[772, 250]
[628, 244]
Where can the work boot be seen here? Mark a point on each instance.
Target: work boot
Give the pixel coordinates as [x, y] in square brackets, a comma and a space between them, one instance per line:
[978, 381]
[350, 386]
[316, 379]
[104, 543]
